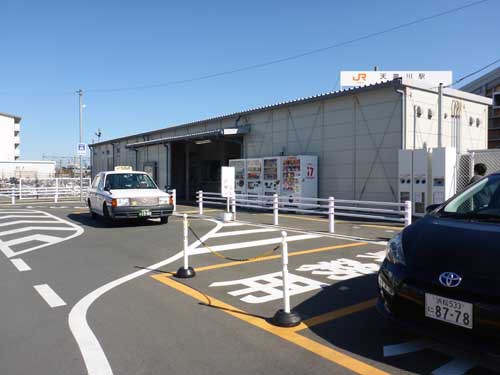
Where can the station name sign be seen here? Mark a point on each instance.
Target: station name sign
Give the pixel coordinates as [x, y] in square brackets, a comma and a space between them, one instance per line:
[356, 78]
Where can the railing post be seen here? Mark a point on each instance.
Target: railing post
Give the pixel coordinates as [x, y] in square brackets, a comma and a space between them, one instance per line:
[285, 317]
[408, 213]
[185, 272]
[200, 202]
[56, 197]
[174, 199]
[275, 209]
[20, 188]
[331, 215]
[228, 204]
[233, 207]
[13, 195]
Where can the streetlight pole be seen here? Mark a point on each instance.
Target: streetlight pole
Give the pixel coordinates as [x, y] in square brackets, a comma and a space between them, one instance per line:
[80, 99]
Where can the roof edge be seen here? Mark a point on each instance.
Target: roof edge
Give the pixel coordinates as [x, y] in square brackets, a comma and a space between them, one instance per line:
[17, 119]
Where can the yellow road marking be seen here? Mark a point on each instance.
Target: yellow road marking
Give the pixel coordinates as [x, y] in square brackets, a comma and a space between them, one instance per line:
[291, 254]
[285, 333]
[380, 226]
[320, 319]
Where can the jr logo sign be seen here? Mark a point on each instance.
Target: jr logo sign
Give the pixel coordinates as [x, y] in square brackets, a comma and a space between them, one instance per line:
[359, 77]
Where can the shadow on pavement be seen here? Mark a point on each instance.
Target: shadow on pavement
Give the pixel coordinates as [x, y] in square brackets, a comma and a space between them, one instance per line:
[86, 220]
[365, 332]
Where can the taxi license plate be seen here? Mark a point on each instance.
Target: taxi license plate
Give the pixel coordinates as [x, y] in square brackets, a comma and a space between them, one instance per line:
[449, 310]
[144, 213]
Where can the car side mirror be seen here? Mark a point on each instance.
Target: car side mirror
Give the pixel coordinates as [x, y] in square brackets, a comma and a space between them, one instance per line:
[106, 188]
[431, 207]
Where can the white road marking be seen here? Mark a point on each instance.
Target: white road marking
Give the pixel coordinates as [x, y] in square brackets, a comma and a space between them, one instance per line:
[94, 357]
[405, 348]
[5, 246]
[234, 224]
[389, 231]
[20, 265]
[244, 245]
[242, 232]
[51, 297]
[27, 229]
[458, 366]
[16, 222]
[356, 227]
[22, 216]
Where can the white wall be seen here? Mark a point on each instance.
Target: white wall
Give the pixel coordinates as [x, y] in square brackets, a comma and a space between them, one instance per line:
[426, 130]
[7, 135]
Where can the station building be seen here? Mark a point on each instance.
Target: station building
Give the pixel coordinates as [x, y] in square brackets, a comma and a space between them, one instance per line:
[356, 135]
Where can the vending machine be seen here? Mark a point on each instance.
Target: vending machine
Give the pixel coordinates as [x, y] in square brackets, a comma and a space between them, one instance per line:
[240, 186]
[272, 175]
[414, 179]
[421, 184]
[444, 161]
[254, 177]
[300, 177]
[405, 182]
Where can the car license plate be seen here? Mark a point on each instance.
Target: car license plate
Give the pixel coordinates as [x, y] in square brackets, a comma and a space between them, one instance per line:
[144, 213]
[448, 310]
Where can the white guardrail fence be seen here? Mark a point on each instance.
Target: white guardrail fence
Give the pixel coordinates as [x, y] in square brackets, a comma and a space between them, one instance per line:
[45, 189]
[330, 207]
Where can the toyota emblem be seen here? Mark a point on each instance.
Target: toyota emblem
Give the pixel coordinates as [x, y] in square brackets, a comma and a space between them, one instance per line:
[450, 279]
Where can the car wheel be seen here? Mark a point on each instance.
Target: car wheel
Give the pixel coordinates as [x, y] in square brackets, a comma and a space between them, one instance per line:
[107, 218]
[93, 215]
[164, 219]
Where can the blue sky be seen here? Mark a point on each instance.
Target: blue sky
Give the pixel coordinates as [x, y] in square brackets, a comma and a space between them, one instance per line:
[52, 48]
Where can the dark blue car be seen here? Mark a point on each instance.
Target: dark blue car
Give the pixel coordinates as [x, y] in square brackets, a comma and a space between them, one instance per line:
[441, 275]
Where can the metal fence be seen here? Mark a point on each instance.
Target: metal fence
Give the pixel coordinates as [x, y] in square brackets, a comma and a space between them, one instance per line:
[466, 162]
[43, 189]
[329, 207]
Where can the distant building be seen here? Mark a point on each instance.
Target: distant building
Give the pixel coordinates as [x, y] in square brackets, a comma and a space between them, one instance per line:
[489, 85]
[10, 165]
[10, 125]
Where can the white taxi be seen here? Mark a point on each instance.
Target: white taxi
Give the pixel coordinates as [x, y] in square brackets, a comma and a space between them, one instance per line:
[127, 194]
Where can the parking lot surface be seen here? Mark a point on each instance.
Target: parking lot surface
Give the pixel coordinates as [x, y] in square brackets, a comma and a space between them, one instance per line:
[120, 309]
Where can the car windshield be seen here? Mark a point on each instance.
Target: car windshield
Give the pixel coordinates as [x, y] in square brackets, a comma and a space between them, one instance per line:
[129, 181]
[480, 201]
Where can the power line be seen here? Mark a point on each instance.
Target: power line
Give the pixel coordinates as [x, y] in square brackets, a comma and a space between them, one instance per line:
[280, 60]
[292, 57]
[475, 72]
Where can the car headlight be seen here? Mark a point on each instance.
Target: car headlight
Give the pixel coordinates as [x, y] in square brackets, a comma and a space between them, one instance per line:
[394, 251]
[164, 200]
[119, 202]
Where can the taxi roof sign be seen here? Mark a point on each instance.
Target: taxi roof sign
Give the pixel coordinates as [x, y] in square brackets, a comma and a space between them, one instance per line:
[127, 168]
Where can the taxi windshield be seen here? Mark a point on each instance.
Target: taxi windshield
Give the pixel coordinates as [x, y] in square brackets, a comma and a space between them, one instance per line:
[129, 181]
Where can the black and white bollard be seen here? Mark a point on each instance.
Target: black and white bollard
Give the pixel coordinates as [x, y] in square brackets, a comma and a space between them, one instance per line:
[284, 317]
[185, 272]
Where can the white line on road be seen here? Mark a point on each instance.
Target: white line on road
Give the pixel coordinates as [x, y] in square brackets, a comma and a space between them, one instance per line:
[20, 265]
[405, 348]
[240, 232]
[458, 366]
[244, 245]
[51, 297]
[27, 229]
[94, 357]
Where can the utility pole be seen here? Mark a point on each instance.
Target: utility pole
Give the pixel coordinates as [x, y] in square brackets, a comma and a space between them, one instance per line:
[80, 100]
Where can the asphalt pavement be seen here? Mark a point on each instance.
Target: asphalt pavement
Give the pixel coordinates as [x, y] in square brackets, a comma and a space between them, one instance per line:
[81, 297]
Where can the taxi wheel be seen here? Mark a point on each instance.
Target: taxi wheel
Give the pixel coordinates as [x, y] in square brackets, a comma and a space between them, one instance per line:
[164, 219]
[93, 215]
[107, 219]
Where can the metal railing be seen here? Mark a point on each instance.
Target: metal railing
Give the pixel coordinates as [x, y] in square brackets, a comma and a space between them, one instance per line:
[46, 189]
[330, 207]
